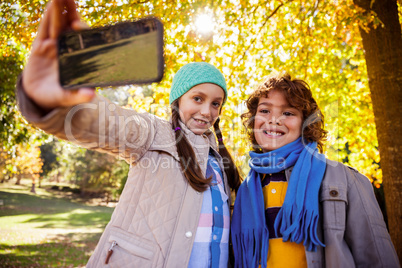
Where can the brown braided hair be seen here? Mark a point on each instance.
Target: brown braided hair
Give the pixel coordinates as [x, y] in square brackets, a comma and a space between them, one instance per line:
[230, 168]
[192, 170]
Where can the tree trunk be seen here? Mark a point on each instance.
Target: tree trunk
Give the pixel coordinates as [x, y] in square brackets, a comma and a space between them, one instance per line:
[19, 177]
[33, 188]
[383, 52]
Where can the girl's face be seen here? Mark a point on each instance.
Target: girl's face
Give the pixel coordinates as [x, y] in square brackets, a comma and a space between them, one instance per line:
[276, 122]
[200, 107]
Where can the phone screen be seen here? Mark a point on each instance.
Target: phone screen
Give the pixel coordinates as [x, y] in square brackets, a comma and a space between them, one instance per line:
[120, 54]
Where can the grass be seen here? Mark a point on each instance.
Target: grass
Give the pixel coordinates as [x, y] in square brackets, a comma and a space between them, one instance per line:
[47, 230]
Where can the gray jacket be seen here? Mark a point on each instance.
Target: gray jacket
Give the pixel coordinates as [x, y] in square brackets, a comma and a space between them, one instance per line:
[353, 229]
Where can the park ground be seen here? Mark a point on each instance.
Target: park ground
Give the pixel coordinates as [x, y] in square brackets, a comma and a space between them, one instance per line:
[52, 228]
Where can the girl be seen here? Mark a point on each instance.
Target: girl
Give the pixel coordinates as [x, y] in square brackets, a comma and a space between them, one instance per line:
[296, 208]
[174, 210]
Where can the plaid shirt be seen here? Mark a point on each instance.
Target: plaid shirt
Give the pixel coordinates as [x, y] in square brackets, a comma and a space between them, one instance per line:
[211, 248]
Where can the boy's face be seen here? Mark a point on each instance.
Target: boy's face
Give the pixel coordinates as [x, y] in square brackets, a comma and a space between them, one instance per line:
[276, 122]
[200, 107]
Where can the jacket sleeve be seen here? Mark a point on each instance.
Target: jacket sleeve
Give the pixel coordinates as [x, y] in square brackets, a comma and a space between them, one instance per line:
[99, 125]
[366, 233]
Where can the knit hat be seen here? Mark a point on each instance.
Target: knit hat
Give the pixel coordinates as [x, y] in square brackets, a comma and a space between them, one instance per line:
[193, 74]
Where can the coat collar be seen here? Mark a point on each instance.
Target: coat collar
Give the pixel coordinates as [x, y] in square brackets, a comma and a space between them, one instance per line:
[199, 141]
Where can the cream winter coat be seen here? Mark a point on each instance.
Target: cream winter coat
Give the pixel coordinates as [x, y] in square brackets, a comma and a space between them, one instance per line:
[156, 219]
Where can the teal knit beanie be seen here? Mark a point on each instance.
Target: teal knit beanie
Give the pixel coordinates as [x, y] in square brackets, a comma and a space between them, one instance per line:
[193, 74]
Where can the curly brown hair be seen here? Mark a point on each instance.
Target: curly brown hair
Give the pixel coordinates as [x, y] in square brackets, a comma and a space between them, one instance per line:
[297, 92]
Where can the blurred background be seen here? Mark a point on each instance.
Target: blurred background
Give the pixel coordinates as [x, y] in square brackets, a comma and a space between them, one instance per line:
[55, 198]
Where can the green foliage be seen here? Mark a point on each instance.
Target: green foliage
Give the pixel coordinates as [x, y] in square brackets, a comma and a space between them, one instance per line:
[13, 130]
[93, 172]
[49, 157]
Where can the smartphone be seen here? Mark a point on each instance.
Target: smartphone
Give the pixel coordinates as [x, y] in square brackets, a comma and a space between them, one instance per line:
[125, 53]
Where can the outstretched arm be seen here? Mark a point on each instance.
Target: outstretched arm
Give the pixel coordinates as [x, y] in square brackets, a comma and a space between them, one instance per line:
[76, 115]
[40, 76]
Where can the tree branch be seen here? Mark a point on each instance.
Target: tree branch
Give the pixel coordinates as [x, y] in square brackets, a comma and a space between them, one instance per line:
[259, 31]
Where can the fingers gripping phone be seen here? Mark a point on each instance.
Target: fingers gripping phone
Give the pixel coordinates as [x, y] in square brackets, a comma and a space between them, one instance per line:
[121, 54]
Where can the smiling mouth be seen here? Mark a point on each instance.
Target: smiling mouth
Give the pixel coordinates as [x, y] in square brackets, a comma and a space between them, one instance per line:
[273, 133]
[202, 122]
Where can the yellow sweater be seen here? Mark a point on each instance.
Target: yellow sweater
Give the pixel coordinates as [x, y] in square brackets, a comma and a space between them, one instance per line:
[280, 254]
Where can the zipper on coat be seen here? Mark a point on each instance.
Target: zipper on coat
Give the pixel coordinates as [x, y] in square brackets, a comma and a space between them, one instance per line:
[110, 252]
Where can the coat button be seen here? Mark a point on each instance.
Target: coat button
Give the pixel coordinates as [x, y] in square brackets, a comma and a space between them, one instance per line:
[333, 193]
[189, 234]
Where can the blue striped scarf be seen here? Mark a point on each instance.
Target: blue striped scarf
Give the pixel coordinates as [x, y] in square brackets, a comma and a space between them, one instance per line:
[297, 220]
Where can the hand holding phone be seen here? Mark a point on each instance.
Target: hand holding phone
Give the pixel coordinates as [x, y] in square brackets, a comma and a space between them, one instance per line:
[41, 76]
